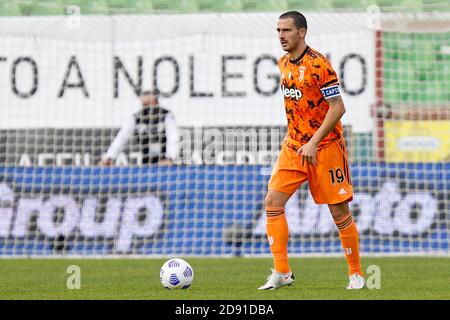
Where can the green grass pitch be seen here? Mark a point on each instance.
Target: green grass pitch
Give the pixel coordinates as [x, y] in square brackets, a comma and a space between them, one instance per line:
[222, 279]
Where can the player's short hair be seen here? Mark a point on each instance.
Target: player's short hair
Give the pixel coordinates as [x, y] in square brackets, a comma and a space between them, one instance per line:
[154, 93]
[299, 19]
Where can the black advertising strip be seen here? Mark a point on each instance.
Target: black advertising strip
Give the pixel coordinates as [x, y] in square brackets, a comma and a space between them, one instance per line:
[213, 309]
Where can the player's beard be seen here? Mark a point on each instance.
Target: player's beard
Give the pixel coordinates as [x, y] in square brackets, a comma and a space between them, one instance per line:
[287, 47]
[291, 47]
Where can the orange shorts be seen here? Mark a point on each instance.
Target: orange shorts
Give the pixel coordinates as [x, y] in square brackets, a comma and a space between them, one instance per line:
[329, 181]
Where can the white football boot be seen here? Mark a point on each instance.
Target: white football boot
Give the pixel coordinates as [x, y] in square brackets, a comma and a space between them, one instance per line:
[277, 280]
[356, 282]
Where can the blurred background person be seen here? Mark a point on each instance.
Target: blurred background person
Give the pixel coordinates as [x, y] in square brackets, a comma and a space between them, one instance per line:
[154, 131]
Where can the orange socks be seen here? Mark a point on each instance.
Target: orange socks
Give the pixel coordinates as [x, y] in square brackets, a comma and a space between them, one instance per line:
[278, 236]
[350, 242]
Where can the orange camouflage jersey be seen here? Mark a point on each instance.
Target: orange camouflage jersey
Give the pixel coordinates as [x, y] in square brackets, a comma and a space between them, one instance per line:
[305, 85]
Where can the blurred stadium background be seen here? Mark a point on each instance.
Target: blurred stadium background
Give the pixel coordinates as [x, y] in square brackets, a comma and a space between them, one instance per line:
[70, 72]
[58, 7]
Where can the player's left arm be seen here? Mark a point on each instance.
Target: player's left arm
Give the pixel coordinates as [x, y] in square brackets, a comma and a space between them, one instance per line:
[329, 87]
[172, 137]
[334, 114]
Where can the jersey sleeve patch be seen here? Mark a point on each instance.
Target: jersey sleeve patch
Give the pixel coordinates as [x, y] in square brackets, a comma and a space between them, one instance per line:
[331, 91]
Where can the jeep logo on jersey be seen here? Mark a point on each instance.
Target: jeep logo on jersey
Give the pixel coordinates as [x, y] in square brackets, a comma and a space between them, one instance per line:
[292, 93]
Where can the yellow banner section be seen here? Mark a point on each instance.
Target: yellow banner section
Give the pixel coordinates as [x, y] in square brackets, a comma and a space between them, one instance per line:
[417, 141]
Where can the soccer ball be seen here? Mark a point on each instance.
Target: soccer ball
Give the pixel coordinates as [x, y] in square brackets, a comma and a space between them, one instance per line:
[176, 274]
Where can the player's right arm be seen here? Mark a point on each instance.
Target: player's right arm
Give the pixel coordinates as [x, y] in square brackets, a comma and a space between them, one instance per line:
[120, 140]
[281, 63]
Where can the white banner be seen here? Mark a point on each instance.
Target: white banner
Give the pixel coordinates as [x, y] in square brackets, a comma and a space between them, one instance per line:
[212, 69]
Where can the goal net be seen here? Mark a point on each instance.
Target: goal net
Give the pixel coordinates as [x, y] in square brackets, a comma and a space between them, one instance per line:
[68, 83]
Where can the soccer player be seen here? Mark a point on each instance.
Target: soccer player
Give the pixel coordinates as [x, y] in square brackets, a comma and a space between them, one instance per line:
[313, 150]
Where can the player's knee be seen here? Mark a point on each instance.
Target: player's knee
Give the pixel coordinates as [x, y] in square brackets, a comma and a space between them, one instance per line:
[272, 201]
[339, 210]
